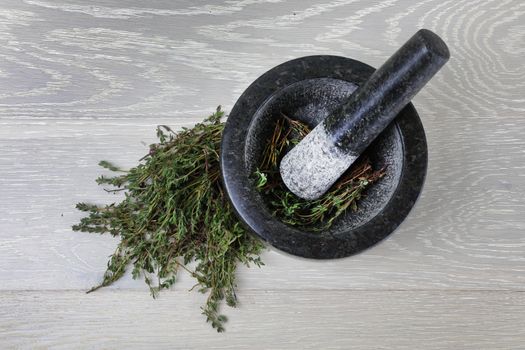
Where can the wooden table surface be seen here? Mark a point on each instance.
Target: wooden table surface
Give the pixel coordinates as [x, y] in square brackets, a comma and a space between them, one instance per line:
[83, 81]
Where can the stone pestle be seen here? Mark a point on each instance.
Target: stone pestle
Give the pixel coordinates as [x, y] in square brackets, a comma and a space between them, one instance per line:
[315, 164]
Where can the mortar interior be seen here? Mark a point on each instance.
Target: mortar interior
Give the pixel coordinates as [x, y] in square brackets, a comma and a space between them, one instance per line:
[310, 101]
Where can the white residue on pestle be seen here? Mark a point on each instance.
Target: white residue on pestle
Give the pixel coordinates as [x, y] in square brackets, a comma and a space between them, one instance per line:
[314, 165]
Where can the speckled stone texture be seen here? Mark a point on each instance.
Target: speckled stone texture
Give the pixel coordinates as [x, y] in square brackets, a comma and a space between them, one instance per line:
[309, 89]
[315, 165]
[311, 167]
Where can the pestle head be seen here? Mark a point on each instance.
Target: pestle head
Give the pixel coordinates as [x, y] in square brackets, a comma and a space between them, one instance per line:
[315, 164]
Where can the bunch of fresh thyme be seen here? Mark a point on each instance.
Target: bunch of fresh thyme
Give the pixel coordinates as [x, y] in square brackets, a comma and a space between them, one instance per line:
[175, 212]
[313, 215]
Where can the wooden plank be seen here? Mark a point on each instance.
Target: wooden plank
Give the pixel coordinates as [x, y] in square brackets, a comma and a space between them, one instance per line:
[295, 319]
[465, 232]
[104, 59]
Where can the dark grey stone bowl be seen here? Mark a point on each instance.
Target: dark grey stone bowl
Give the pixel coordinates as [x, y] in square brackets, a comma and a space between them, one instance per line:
[308, 89]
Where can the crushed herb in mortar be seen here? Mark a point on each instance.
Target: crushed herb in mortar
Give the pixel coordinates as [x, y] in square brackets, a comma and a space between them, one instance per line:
[311, 215]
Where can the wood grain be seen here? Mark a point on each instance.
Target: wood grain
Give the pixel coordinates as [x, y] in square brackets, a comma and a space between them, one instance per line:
[301, 319]
[81, 82]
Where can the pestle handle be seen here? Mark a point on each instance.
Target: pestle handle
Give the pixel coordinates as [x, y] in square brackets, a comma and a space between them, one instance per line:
[372, 107]
[314, 164]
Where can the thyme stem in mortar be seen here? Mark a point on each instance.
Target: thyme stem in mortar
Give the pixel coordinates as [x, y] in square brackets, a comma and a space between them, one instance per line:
[316, 215]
